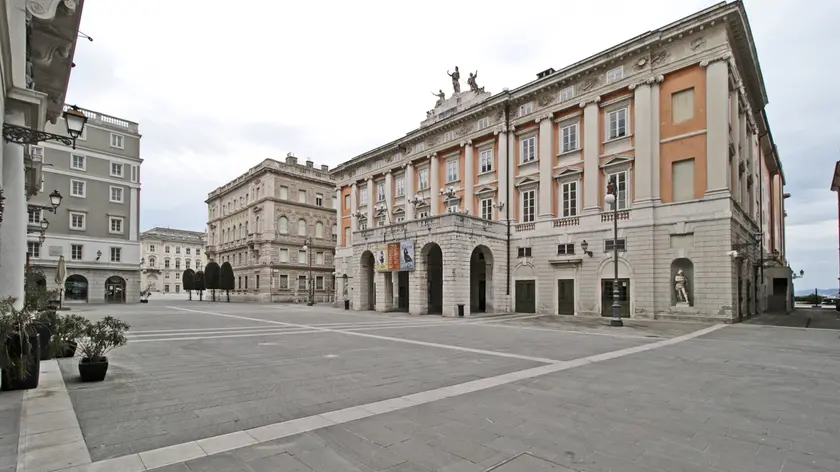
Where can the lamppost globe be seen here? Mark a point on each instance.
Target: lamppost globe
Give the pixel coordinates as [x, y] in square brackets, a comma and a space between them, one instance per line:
[305, 247]
[55, 199]
[802, 273]
[44, 224]
[609, 198]
[584, 245]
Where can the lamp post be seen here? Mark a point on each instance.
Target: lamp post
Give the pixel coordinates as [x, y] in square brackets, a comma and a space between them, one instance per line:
[74, 118]
[448, 195]
[610, 198]
[308, 248]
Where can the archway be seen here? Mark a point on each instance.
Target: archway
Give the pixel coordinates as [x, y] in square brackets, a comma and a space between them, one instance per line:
[688, 271]
[37, 281]
[433, 260]
[481, 280]
[367, 287]
[115, 289]
[151, 282]
[525, 289]
[76, 288]
[606, 274]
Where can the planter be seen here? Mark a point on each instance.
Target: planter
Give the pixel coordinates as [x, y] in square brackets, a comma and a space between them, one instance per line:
[93, 371]
[69, 350]
[17, 346]
[44, 335]
[144, 301]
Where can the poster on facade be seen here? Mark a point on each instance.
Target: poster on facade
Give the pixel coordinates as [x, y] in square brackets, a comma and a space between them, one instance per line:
[406, 255]
[380, 256]
[394, 257]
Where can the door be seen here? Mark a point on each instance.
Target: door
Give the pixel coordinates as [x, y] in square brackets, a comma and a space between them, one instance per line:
[113, 293]
[526, 300]
[566, 297]
[623, 297]
[402, 281]
[482, 296]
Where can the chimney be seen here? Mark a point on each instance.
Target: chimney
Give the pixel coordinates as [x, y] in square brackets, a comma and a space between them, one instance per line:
[309, 163]
[325, 168]
[291, 160]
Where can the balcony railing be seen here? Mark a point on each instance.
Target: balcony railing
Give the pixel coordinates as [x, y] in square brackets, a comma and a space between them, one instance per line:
[608, 215]
[446, 222]
[567, 221]
[522, 227]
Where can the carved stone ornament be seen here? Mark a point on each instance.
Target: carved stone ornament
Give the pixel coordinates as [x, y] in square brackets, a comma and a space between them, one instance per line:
[697, 43]
[500, 116]
[588, 84]
[659, 58]
[433, 141]
[389, 158]
[45, 9]
[546, 99]
[463, 130]
[641, 64]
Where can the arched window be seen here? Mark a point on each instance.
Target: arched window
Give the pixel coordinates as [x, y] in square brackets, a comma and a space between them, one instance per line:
[246, 229]
[301, 227]
[188, 264]
[177, 263]
[151, 261]
[319, 229]
[241, 232]
[283, 225]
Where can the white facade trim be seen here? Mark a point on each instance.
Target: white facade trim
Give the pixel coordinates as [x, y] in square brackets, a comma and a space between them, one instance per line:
[91, 177]
[91, 153]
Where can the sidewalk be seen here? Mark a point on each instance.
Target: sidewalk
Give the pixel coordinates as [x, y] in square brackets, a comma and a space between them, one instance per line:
[11, 404]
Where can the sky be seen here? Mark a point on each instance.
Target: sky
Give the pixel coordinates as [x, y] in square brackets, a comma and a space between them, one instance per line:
[216, 88]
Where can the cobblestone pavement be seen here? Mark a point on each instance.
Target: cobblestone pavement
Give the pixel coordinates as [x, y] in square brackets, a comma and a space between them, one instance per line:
[235, 387]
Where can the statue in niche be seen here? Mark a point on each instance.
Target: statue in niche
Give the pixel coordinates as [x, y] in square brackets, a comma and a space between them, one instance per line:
[472, 83]
[456, 77]
[680, 282]
[440, 98]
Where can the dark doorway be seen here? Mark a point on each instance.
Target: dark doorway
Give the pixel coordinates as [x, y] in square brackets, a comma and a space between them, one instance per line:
[481, 279]
[368, 289]
[76, 288]
[482, 296]
[402, 290]
[623, 297]
[434, 264]
[526, 296]
[115, 289]
[566, 297]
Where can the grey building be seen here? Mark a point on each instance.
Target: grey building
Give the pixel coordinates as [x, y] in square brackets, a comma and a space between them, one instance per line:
[276, 225]
[96, 228]
[166, 254]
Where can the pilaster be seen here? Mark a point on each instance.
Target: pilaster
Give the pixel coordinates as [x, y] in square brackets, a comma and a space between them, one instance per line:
[501, 170]
[591, 149]
[354, 207]
[434, 179]
[389, 196]
[371, 202]
[13, 228]
[546, 142]
[409, 191]
[655, 193]
[644, 164]
[469, 176]
[717, 123]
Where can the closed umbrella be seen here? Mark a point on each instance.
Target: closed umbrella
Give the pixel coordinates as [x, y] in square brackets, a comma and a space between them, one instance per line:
[60, 275]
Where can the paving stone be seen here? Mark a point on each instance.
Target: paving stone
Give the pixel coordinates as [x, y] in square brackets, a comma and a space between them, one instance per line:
[280, 462]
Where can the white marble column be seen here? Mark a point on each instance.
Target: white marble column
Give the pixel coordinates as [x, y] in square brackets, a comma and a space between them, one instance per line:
[655, 192]
[434, 169]
[717, 123]
[643, 167]
[13, 228]
[371, 202]
[389, 196]
[469, 177]
[591, 147]
[546, 143]
[409, 191]
[511, 181]
[501, 171]
[736, 180]
[354, 207]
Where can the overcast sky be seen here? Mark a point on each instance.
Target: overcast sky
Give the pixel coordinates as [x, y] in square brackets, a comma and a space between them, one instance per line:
[219, 86]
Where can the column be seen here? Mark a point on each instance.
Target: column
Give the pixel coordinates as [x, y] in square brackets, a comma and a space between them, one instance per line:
[511, 181]
[354, 207]
[13, 228]
[395, 289]
[655, 192]
[434, 169]
[469, 177]
[736, 180]
[383, 291]
[643, 175]
[591, 149]
[371, 202]
[389, 197]
[717, 123]
[409, 191]
[546, 143]
[501, 171]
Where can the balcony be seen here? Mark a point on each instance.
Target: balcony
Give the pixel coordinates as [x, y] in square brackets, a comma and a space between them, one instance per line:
[446, 223]
[566, 222]
[523, 227]
[608, 215]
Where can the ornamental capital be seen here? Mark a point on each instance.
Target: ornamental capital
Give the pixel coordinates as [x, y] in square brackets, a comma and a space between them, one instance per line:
[723, 57]
[466, 143]
[593, 100]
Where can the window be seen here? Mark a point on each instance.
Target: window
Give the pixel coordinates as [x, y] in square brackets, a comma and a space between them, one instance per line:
[284, 281]
[682, 105]
[187, 264]
[166, 263]
[284, 192]
[319, 282]
[452, 171]
[484, 123]
[529, 206]
[380, 222]
[682, 176]
[319, 229]
[363, 195]
[420, 146]
[347, 236]
[617, 123]
[362, 224]
[621, 183]
[166, 249]
[566, 249]
[347, 202]
[116, 194]
[400, 186]
[526, 109]
[116, 254]
[284, 255]
[567, 93]
[78, 162]
[608, 245]
[570, 138]
[529, 149]
[319, 199]
[77, 188]
[166, 287]
[301, 257]
[569, 199]
[614, 75]
[35, 216]
[423, 179]
[486, 206]
[33, 249]
[197, 252]
[177, 263]
[76, 254]
[485, 161]
[319, 258]
[151, 248]
[117, 141]
[178, 277]
[380, 192]
[115, 225]
[134, 172]
[77, 221]
[524, 252]
[188, 251]
[302, 196]
[423, 214]
[302, 227]
[116, 169]
[301, 282]
[283, 225]
[400, 219]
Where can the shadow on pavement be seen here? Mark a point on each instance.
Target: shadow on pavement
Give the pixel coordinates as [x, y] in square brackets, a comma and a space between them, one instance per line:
[820, 318]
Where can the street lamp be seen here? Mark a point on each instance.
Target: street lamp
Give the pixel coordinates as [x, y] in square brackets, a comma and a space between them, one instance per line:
[584, 246]
[610, 199]
[41, 239]
[801, 274]
[74, 118]
[44, 225]
[308, 248]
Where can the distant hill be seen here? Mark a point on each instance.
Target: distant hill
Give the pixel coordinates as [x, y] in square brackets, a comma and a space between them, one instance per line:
[825, 292]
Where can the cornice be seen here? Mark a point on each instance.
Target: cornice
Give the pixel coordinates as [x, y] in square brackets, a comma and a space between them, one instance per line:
[657, 79]
[726, 56]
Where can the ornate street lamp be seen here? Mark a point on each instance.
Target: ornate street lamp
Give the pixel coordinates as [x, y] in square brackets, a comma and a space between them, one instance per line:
[308, 248]
[74, 118]
[610, 199]
[44, 225]
[584, 246]
[41, 239]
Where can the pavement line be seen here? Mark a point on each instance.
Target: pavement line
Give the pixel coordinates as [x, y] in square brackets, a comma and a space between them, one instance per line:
[385, 338]
[223, 336]
[232, 328]
[178, 453]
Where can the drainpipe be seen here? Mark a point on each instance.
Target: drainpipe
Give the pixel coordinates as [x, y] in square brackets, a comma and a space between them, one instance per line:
[507, 188]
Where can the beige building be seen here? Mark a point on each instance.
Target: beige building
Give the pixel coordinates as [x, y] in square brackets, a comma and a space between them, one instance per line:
[276, 225]
[167, 253]
[497, 202]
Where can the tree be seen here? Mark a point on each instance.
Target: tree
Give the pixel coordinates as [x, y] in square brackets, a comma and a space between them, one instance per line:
[211, 277]
[226, 279]
[198, 285]
[188, 280]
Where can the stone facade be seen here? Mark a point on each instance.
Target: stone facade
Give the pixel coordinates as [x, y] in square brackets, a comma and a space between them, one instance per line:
[167, 253]
[97, 286]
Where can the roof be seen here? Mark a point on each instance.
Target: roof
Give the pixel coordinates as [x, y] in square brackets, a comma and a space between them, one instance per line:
[169, 234]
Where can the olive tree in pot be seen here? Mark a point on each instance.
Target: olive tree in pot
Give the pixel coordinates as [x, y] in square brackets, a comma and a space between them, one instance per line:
[100, 338]
[19, 348]
[68, 330]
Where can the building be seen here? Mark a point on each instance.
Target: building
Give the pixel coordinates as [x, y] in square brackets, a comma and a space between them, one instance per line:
[498, 200]
[835, 187]
[96, 228]
[166, 254]
[38, 39]
[276, 225]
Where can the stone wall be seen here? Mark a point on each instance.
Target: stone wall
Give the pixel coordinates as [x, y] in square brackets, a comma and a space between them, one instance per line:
[96, 282]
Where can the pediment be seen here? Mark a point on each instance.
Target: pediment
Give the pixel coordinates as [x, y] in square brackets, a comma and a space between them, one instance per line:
[485, 189]
[399, 210]
[617, 160]
[527, 181]
[568, 171]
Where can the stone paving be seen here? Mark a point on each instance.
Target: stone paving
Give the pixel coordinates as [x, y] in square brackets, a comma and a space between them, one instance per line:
[10, 410]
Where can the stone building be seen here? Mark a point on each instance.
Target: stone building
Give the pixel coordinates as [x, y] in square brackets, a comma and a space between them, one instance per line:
[499, 199]
[276, 225]
[166, 254]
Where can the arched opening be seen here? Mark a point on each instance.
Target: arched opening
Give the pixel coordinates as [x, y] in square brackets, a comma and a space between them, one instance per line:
[625, 289]
[367, 286]
[481, 280]
[301, 227]
[525, 289]
[76, 288]
[115, 289]
[319, 229]
[687, 268]
[151, 282]
[37, 281]
[433, 260]
[283, 225]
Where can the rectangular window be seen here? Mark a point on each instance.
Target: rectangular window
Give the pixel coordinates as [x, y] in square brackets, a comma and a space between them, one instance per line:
[198, 252]
[453, 208]
[116, 254]
[284, 192]
[452, 171]
[400, 186]
[319, 283]
[614, 75]
[608, 245]
[177, 249]
[400, 219]
[567, 93]
[319, 199]
[166, 249]
[347, 202]
[484, 123]
[75, 252]
[682, 105]
[380, 191]
[617, 123]
[177, 276]
[620, 179]
[529, 149]
[570, 138]
[486, 206]
[116, 169]
[682, 176]
[35, 216]
[526, 109]
[363, 195]
[529, 206]
[569, 199]
[319, 258]
[77, 188]
[485, 161]
[78, 162]
[151, 248]
[117, 141]
[284, 255]
[284, 281]
[565, 249]
[188, 251]
[116, 195]
[301, 257]
[33, 248]
[362, 224]
[423, 214]
[115, 225]
[524, 252]
[301, 282]
[423, 179]
[134, 172]
[301, 196]
[77, 221]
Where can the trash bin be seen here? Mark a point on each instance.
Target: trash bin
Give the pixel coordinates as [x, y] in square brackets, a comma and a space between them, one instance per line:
[461, 310]
[346, 304]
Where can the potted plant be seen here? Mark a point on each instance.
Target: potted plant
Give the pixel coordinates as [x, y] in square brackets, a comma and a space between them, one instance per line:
[100, 338]
[19, 348]
[68, 330]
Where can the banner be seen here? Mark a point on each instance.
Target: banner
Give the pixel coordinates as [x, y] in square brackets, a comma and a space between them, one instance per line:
[406, 256]
[394, 257]
[380, 256]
